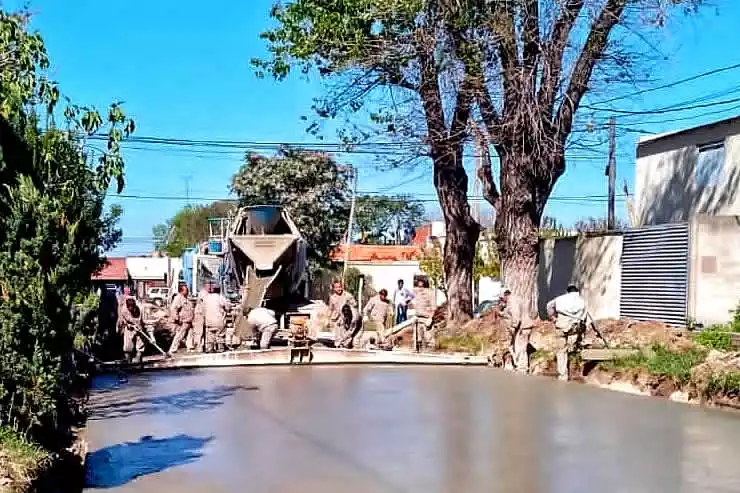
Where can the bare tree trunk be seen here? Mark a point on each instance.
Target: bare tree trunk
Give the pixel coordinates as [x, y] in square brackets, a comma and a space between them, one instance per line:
[458, 264]
[462, 236]
[523, 198]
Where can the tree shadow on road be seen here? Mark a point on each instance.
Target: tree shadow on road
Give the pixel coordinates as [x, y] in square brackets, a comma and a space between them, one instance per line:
[121, 406]
[119, 464]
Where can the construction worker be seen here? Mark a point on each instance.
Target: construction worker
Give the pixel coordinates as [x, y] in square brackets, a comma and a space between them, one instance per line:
[401, 299]
[377, 311]
[198, 332]
[130, 325]
[339, 299]
[424, 306]
[215, 307]
[262, 324]
[519, 325]
[181, 320]
[568, 312]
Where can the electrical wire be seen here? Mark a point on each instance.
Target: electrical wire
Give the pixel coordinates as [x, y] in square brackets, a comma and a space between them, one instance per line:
[671, 84]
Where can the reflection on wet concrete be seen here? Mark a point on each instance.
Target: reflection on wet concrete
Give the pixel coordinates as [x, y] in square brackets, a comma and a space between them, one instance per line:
[399, 429]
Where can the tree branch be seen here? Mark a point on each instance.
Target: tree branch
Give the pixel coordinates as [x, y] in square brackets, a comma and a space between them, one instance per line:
[531, 36]
[461, 116]
[593, 50]
[555, 50]
[503, 27]
[485, 174]
[429, 92]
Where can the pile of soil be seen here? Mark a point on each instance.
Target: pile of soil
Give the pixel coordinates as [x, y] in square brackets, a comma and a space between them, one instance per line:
[618, 333]
[628, 333]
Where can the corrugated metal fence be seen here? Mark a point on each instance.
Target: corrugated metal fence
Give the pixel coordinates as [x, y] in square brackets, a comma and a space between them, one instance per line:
[655, 274]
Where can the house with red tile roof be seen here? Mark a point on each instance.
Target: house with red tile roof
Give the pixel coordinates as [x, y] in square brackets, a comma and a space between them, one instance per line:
[384, 265]
[113, 274]
[114, 270]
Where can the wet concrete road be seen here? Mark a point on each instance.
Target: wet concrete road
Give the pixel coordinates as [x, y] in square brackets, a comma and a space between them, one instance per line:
[362, 429]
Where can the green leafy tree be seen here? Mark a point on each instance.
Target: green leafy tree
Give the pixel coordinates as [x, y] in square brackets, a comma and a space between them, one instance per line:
[188, 227]
[55, 231]
[432, 265]
[383, 220]
[423, 69]
[311, 186]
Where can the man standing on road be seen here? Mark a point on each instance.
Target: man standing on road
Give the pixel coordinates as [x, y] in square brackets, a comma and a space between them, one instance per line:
[377, 311]
[401, 299]
[340, 298]
[424, 306]
[520, 325]
[215, 307]
[130, 325]
[181, 320]
[568, 312]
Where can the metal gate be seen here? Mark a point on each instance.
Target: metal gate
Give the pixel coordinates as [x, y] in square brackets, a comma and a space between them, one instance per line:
[655, 274]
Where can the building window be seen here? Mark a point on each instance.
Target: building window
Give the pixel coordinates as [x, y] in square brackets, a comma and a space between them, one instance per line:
[710, 163]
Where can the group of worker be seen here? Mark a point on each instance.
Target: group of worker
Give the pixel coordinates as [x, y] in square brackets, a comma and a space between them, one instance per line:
[379, 313]
[567, 311]
[201, 327]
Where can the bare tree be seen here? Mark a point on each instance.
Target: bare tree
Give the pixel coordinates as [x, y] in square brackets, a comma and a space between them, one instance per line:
[422, 70]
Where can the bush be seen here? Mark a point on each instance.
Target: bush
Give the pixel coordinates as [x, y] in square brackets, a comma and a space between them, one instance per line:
[723, 384]
[55, 231]
[676, 365]
[470, 343]
[661, 362]
[20, 460]
[713, 338]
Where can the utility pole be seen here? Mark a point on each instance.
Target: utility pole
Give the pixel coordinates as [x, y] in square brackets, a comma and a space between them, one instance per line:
[611, 172]
[348, 243]
[187, 180]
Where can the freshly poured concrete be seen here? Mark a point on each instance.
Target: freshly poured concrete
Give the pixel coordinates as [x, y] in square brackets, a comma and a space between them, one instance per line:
[363, 429]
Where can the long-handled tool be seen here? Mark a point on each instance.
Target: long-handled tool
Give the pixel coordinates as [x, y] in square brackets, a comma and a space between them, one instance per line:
[596, 331]
[151, 341]
[91, 357]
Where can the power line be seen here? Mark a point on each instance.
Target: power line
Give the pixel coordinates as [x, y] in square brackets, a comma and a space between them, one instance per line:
[669, 109]
[586, 198]
[671, 84]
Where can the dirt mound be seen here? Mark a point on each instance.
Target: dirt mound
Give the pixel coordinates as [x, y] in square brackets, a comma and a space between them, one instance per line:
[634, 334]
[618, 333]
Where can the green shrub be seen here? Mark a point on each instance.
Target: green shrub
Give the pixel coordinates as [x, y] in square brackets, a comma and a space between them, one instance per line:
[735, 324]
[20, 461]
[674, 364]
[55, 230]
[713, 338]
[726, 384]
[471, 343]
[634, 361]
[660, 362]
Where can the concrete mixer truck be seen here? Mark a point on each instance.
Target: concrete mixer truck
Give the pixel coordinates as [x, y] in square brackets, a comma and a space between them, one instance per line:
[265, 265]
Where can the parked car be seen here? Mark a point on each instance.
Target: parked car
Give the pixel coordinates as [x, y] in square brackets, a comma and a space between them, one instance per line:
[158, 296]
[484, 306]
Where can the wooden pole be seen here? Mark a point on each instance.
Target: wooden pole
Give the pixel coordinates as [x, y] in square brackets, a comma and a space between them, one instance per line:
[611, 172]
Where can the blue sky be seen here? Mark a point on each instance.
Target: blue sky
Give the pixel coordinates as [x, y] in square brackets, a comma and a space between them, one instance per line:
[182, 69]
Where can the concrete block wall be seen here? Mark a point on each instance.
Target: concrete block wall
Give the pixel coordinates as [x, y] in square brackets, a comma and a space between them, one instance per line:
[593, 263]
[666, 188]
[714, 275]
